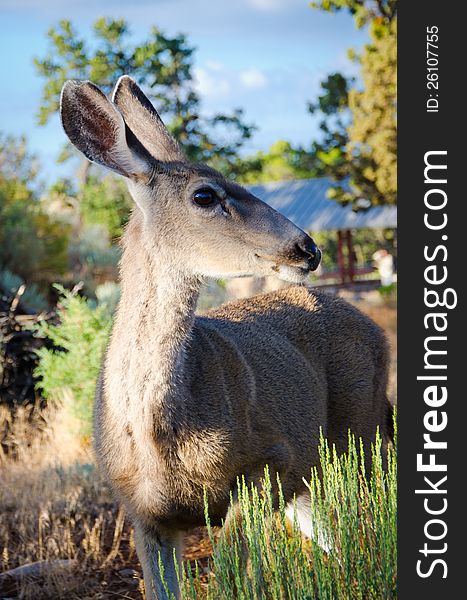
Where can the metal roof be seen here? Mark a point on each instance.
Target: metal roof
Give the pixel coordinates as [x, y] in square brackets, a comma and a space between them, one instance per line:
[305, 202]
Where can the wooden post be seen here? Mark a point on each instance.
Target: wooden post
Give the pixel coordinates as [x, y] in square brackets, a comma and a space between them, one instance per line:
[340, 255]
[350, 256]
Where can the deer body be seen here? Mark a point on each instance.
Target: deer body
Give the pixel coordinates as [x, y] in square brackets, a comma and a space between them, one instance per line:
[188, 403]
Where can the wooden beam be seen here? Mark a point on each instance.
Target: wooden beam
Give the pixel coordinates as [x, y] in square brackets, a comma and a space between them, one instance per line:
[350, 256]
[340, 255]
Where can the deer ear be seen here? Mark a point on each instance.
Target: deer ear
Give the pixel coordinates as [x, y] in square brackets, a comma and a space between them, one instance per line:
[142, 119]
[97, 129]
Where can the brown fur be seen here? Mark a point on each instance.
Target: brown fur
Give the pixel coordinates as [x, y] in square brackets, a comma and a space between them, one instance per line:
[262, 376]
[186, 403]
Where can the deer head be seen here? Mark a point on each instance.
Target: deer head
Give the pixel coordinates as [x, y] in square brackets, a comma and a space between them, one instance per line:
[197, 220]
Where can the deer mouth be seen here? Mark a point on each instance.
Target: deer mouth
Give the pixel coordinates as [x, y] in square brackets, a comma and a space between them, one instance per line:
[298, 269]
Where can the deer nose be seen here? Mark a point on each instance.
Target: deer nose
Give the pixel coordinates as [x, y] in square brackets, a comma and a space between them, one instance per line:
[307, 248]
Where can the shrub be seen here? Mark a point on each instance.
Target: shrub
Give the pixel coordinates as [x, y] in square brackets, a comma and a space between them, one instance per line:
[68, 373]
[353, 513]
[105, 201]
[93, 257]
[388, 292]
[33, 244]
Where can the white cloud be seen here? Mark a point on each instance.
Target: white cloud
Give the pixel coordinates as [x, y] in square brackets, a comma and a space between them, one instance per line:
[269, 5]
[214, 65]
[213, 80]
[210, 82]
[265, 5]
[253, 78]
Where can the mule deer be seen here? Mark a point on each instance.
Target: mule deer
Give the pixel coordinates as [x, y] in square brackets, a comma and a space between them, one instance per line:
[184, 402]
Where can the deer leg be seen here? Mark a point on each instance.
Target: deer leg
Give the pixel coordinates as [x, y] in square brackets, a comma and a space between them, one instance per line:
[152, 543]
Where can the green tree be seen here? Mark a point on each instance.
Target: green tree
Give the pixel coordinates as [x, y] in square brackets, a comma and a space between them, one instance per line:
[96, 214]
[359, 125]
[161, 64]
[282, 161]
[103, 200]
[329, 153]
[372, 143]
[33, 244]
[363, 11]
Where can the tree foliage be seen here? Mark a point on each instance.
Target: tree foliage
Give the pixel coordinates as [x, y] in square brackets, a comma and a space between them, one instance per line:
[33, 244]
[103, 200]
[282, 161]
[372, 143]
[363, 11]
[357, 146]
[329, 152]
[161, 64]
[359, 125]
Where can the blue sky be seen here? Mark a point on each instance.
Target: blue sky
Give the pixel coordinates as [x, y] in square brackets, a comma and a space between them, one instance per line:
[266, 56]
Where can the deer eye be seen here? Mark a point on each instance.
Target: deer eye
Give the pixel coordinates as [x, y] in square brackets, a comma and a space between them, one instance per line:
[205, 197]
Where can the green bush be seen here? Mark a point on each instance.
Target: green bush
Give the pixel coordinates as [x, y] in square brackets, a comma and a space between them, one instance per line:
[105, 201]
[68, 373]
[388, 292]
[355, 514]
[33, 244]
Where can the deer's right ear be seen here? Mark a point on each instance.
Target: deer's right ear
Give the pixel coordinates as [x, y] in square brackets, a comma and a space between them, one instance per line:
[97, 129]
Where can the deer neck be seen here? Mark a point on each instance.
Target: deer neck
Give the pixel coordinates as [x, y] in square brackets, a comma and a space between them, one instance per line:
[152, 328]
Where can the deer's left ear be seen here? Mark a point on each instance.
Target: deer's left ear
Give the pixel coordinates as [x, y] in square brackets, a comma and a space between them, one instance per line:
[143, 120]
[97, 129]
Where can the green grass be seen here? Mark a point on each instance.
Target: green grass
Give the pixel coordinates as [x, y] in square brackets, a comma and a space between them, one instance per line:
[354, 512]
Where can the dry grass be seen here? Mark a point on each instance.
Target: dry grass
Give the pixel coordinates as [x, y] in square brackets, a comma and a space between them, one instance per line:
[57, 515]
[67, 514]
[55, 508]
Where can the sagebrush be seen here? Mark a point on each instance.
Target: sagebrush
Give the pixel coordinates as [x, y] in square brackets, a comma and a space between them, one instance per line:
[354, 551]
[68, 372]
